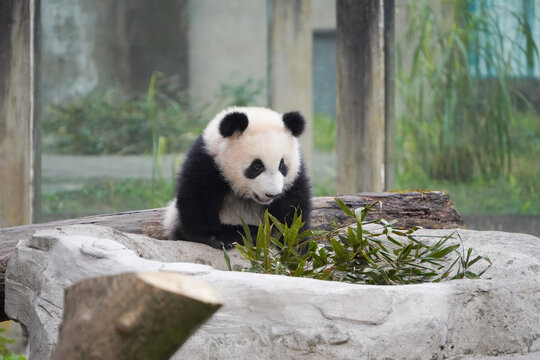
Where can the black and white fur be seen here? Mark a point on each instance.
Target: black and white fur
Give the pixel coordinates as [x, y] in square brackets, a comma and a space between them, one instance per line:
[247, 160]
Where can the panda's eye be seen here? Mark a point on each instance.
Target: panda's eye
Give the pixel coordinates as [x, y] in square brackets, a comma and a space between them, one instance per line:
[255, 169]
[283, 168]
[258, 165]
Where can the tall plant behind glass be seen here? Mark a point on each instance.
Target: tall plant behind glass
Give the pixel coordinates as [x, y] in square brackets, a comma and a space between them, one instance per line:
[458, 97]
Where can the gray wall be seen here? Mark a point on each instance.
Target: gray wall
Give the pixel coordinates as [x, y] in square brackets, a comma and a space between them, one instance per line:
[117, 44]
[227, 44]
[112, 44]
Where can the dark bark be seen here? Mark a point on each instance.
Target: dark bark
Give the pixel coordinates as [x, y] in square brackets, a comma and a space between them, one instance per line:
[429, 209]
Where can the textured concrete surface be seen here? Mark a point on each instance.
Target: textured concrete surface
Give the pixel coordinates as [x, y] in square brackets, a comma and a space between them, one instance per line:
[276, 317]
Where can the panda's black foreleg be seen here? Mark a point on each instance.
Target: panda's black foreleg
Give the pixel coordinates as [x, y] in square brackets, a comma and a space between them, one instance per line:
[231, 234]
[210, 240]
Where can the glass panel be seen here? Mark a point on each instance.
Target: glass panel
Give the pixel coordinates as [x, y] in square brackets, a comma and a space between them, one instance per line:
[127, 86]
[114, 104]
[468, 110]
[324, 107]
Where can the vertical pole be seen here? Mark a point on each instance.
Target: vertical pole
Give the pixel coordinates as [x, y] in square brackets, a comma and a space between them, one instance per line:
[18, 126]
[389, 87]
[291, 63]
[35, 114]
[269, 46]
[360, 96]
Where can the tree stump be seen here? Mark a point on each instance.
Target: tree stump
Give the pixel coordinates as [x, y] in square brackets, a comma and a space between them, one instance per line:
[145, 315]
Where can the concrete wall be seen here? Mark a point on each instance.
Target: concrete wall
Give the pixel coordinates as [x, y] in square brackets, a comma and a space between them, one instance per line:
[291, 65]
[118, 44]
[81, 48]
[233, 41]
[227, 44]
[111, 44]
[323, 15]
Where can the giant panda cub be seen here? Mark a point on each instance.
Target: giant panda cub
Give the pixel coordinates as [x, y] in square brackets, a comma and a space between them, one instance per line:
[247, 160]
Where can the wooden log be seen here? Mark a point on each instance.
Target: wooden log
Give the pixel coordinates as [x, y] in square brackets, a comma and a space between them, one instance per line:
[133, 316]
[428, 209]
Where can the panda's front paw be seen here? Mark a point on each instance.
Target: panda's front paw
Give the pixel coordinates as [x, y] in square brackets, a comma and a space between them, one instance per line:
[227, 245]
[219, 242]
[223, 242]
[214, 242]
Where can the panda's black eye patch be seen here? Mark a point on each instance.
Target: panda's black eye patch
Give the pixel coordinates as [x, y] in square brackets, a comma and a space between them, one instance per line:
[255, 169]
[283, 169]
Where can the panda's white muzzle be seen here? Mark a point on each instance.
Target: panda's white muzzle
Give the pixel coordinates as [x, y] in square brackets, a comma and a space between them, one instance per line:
[268, 186]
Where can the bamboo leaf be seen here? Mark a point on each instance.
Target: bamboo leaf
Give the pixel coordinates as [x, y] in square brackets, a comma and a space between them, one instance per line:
[344, 207]
[227, 259]
[443, 252]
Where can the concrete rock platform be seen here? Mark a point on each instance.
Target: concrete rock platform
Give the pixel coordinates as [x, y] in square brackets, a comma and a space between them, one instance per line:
[277, 317]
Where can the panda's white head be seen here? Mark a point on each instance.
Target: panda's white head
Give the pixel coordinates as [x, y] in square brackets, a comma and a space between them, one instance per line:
[256, 150]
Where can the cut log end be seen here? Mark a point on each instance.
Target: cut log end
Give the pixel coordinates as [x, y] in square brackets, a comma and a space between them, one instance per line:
[182, 285]
[133, 316]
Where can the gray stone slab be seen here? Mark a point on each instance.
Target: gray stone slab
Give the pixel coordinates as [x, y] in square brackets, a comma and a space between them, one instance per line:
[277, 317]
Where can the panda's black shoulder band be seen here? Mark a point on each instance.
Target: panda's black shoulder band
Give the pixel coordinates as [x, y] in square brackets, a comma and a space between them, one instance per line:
[294, 121]
[235, 121]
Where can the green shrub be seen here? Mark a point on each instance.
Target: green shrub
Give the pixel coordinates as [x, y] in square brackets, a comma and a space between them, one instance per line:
[324, 186]
[107, 123]
[5, 354]
[458, 95]
[324, 132]
[245, 93]
[104, 122]
[386, 256]
[106, 197]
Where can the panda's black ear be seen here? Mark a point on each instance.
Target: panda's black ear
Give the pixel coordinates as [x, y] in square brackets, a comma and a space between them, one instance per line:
[232, 122]
[294, 121]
